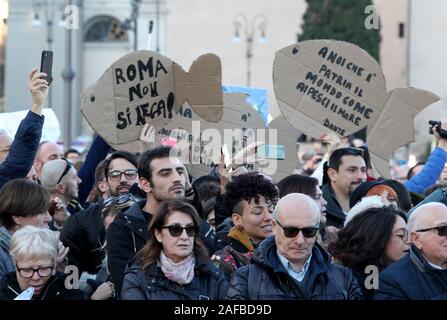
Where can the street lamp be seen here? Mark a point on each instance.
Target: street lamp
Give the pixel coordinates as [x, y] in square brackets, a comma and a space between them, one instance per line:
[48, 9]
[132, 22]
[259, 22]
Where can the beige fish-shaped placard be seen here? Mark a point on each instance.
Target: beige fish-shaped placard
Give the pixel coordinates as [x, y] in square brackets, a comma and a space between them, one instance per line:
[324, 86]
[145, 85]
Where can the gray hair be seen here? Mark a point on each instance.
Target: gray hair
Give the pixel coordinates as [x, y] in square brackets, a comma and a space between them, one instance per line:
[33, 243]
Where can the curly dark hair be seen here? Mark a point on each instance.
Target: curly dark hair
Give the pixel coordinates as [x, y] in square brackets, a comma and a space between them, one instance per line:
[363, 240]
[248, 187]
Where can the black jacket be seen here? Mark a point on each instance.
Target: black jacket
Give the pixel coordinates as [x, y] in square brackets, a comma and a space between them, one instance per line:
[23, 149]
[84, 234]
[412, 278]
[53, 290]
[127, 234]
[334, 213]
[266, 278]
[208, 284]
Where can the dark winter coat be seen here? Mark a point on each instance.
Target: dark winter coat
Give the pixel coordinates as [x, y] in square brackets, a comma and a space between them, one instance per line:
[6, 263]
[84, 233]
[208, 284]
[127, 234]
[412, 278]
[236, 254]
[53, 290]
[266, 278]
[334, 213]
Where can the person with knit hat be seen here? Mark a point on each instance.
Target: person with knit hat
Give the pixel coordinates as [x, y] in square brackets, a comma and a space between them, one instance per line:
[374, 188]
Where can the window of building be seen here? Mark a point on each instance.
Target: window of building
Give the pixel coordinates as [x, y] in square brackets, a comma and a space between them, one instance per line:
[105, 29]
[401, 30]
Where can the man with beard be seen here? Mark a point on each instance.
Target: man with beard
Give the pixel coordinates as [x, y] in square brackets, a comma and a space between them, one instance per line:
[84, 233]
[345, 172]
[162, 177]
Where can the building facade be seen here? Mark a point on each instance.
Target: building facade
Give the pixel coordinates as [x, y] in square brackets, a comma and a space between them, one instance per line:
[188, 29]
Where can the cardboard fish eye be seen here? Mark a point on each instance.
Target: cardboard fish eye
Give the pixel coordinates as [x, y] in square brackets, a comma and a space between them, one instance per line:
[326, 86]
[145, 85]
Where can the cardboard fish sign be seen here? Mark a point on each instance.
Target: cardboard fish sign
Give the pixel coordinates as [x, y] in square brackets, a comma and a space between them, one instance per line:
[143, 85]
[324, 86]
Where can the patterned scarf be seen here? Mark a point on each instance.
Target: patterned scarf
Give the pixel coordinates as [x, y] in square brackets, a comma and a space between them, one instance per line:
[240, 236]
[181, 272]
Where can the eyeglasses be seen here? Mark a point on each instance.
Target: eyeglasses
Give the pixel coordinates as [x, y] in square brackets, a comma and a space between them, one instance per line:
[442, 230]
[68, 166]
[29, 272]
[292, 232]
[403, 235]
[116, 175]
[176, 230]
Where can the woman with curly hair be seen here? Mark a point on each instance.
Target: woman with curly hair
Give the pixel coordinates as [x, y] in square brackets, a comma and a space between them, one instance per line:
[375, 237]
[250, 198]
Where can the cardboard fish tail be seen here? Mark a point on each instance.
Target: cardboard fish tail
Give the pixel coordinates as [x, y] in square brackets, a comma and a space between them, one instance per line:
[201, 87]
[395, 126]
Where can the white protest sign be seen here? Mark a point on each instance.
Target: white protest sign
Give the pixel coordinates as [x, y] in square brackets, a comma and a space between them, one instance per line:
[10, 121]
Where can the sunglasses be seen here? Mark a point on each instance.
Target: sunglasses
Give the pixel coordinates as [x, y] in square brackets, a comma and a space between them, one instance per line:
[176, 230]
[292, 232]
[442, 230]
[116, 175]
[68, 166]
[121, 199]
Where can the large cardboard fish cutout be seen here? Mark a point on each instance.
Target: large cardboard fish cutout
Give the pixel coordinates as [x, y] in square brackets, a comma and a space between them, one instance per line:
[143, 85]
[324, 86]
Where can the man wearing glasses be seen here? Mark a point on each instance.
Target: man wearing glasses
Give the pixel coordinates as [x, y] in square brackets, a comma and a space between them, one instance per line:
[421, 274]
[291, 264]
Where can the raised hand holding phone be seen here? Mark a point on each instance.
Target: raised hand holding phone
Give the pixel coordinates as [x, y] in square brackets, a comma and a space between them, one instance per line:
[39, 90]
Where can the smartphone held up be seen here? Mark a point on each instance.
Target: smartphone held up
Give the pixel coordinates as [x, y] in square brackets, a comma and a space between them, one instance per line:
[46, 65]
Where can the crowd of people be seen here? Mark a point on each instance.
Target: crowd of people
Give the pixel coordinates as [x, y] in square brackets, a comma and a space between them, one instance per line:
[139, 227]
